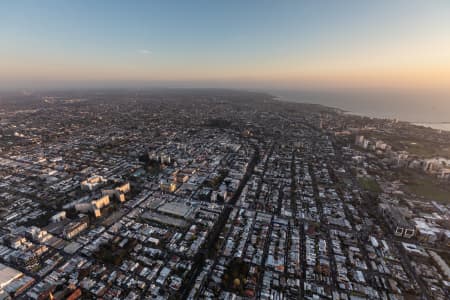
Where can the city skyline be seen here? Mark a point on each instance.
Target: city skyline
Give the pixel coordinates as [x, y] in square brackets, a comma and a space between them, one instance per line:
[256, 44]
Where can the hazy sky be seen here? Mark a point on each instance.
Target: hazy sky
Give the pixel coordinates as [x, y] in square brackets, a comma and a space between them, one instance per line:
[394, 43]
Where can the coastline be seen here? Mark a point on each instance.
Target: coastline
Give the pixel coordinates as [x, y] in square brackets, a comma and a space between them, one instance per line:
[438, 126]
[443, 126]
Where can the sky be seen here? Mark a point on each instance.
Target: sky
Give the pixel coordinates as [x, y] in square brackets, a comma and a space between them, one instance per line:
[277, 44]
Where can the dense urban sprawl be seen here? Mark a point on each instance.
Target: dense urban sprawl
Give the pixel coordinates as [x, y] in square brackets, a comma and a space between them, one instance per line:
[216, 194]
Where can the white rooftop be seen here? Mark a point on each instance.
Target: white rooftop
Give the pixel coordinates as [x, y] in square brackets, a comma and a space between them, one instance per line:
[7, 275]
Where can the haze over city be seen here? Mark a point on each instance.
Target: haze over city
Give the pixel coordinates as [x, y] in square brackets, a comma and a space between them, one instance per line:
[240, 44]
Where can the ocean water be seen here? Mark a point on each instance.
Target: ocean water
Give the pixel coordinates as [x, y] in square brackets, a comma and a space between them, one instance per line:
[430, 109]
[438, 126]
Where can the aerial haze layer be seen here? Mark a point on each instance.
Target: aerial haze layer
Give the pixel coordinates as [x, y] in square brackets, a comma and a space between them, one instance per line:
[359, 48]
[289, 45]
